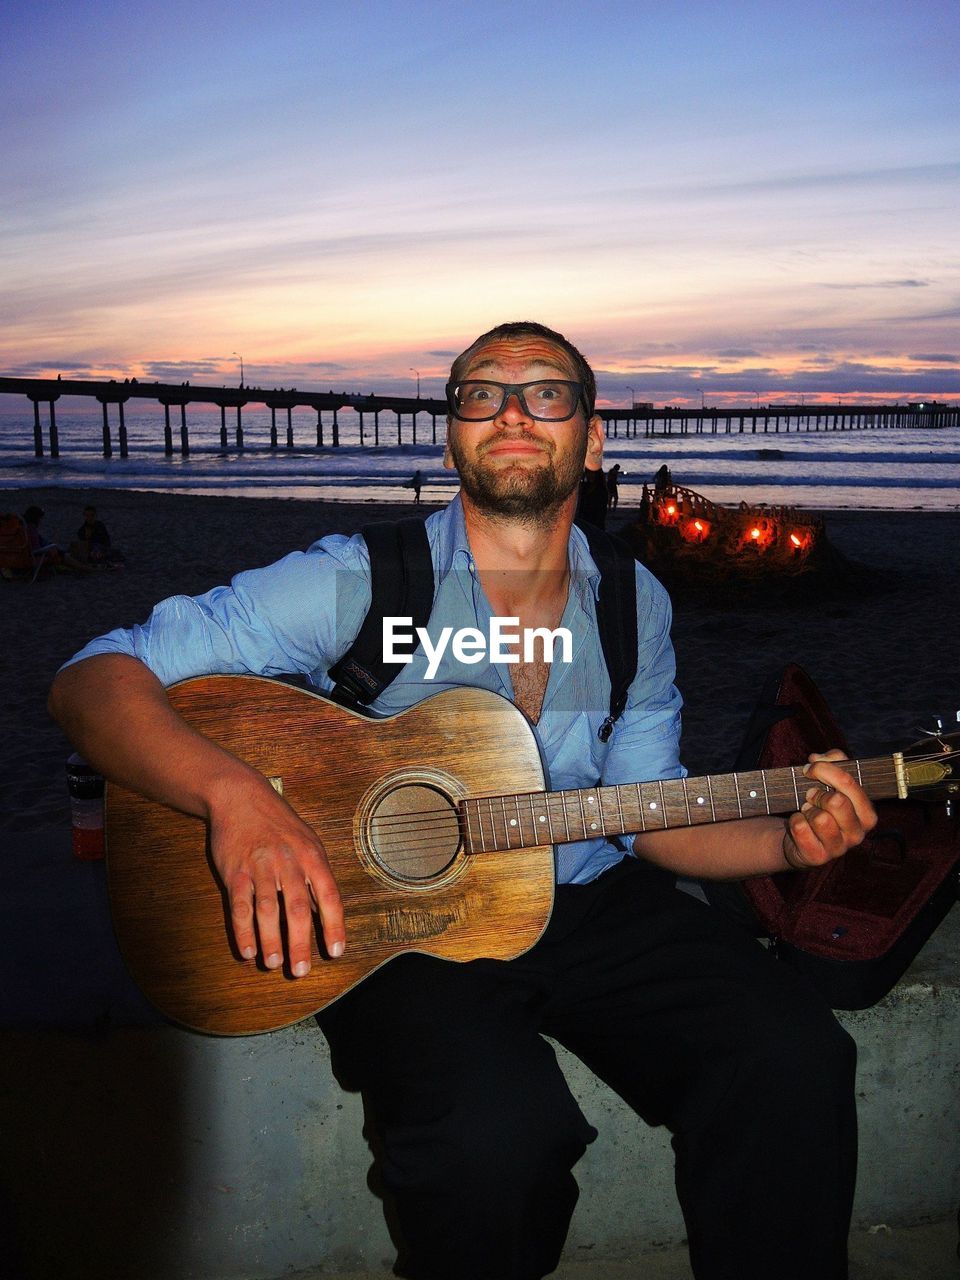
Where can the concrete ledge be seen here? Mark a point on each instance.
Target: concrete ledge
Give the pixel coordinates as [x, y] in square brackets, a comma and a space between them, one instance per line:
[154, 1154]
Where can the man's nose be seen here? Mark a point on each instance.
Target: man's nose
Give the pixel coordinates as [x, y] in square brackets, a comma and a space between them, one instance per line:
[513, 407]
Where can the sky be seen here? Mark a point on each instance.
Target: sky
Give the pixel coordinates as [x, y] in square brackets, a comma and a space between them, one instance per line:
[714, 200]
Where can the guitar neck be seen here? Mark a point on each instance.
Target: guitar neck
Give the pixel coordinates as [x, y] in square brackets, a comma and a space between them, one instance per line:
[558, 817]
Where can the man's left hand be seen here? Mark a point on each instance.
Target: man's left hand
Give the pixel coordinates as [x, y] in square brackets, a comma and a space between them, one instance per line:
[831, 821]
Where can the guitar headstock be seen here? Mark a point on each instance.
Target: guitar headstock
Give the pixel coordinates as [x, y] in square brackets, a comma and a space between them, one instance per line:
[931, 766]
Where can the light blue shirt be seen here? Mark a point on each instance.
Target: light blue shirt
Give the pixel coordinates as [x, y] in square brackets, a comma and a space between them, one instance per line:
[303, 613]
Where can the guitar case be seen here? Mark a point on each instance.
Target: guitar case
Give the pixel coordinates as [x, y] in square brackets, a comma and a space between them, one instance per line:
[854, 925]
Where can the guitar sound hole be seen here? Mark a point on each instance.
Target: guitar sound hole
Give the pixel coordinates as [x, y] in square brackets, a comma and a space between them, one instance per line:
[414, 832]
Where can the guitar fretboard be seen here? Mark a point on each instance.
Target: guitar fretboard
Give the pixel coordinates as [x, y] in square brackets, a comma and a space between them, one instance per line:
[558, 817]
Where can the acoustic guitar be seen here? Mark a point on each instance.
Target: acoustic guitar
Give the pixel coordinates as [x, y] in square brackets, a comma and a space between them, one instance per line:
[438, 827]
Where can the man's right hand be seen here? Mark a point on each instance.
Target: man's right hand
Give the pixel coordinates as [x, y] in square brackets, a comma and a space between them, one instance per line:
[272, 864]
[270, 860]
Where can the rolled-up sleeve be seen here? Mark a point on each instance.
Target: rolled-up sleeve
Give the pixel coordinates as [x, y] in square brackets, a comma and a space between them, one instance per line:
[295, 616]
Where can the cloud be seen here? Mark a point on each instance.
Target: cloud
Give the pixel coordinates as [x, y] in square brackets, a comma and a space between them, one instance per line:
[901, 175]
[936, 359]
[952, 313]
[679, 370]
[824, 379]
[739, 353]
[209, 370]
[875, 284]
[209, 364]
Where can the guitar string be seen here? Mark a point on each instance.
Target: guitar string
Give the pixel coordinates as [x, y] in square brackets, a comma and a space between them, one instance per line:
[395, 826]
[414, 817]
[393, 852]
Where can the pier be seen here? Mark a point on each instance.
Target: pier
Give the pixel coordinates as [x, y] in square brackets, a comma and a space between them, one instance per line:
[777, 419]
[639, 420]
[113, 396]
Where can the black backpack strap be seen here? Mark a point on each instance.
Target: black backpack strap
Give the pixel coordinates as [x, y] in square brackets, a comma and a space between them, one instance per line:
[616, 616]
[401, 586]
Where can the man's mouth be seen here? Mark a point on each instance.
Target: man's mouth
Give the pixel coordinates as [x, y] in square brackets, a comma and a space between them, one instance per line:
[512, 447]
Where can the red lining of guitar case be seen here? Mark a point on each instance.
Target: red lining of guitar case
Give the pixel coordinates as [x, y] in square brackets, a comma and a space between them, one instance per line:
[859, 906]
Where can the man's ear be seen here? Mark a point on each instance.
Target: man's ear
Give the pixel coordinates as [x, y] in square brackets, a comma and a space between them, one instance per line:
[447, 455]
[594, 459]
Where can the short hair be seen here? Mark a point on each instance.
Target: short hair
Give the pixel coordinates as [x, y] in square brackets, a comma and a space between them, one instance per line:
[530, 328]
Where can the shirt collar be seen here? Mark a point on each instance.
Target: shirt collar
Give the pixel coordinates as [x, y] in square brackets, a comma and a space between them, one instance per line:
[448, 534]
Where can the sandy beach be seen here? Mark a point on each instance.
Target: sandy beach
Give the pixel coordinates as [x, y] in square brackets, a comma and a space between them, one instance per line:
[881, 641]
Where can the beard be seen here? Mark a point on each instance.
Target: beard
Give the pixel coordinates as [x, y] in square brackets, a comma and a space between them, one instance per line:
[530, 494]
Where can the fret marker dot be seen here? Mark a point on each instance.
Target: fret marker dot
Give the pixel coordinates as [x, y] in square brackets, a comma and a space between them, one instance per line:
[653, 804]
[593, 826]
[543, 818]
[591, 800]
[700, 800]
[753, 795]
[513, 822]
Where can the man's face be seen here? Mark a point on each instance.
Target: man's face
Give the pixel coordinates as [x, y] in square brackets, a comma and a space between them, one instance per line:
[515, 465]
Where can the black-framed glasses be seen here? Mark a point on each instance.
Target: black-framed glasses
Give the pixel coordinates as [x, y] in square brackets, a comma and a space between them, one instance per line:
[549, 400]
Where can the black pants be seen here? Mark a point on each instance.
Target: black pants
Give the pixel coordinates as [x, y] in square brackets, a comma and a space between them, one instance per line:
[680, 1012]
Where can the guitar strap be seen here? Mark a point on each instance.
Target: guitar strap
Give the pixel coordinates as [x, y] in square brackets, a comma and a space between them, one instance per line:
[616, 615]
[402, 585]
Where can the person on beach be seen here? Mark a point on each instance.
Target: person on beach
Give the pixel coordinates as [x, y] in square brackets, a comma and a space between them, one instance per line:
[613, 486]
[676, 1008]
[94, 533]
[92, 543]
[416, 484]
[49, 554]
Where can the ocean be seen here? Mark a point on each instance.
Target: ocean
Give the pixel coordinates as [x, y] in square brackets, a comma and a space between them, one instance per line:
[870, 469]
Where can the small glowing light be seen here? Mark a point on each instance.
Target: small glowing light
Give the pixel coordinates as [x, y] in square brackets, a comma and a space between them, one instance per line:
[671, 510]
[795, 540]
[698, 526]
[754, 533]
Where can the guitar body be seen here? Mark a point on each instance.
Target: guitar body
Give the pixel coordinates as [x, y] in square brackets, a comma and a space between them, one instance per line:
[381, 796]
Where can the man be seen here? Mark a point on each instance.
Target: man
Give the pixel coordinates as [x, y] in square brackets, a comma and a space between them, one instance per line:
[92, 544]
[682, 1014]
[613, 486]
